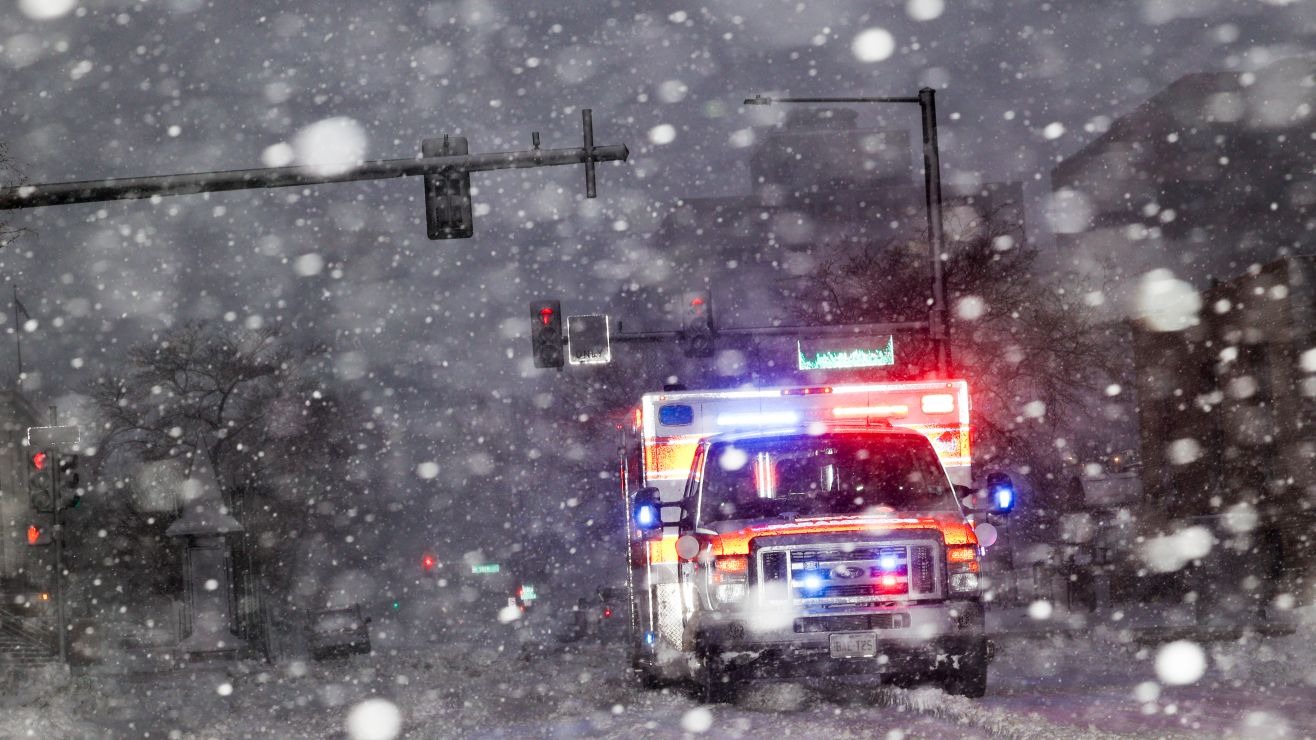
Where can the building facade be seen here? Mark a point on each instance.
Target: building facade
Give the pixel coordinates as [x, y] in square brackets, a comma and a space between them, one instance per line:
[1210, 176]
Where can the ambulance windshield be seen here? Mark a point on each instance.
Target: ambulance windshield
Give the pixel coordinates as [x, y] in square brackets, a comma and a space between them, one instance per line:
[808, 475]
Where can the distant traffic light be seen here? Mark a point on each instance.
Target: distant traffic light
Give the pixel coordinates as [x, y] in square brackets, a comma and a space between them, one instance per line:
[448, 212]
[70, 494]
[39, 482]
[697, 324]
[428, 562]
[546, 333]
[37, 535]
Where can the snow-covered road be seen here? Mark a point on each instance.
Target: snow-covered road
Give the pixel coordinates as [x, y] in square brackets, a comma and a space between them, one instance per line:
[1039, 688]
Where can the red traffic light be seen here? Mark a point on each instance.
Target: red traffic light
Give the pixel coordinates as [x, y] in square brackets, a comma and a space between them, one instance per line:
[39, 460]
[546, 335]
[38, 535]
[428, 562]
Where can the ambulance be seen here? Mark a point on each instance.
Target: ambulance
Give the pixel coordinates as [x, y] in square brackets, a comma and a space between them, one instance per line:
[806, 531]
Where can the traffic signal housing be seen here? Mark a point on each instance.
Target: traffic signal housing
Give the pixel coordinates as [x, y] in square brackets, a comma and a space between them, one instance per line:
[448, 212]
[546, 333]
[70, 491]
[39, 481]
[697, 324]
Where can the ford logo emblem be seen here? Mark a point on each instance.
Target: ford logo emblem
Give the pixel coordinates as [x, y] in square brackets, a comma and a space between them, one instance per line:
[847, 571]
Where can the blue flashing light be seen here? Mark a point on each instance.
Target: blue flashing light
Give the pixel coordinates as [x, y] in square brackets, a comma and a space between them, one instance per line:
[1004, 497]
[646, 516]
[650, 637]
[812, 582]
[888, 562]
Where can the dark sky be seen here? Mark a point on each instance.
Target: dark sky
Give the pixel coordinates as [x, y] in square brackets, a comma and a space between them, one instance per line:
[119, 88]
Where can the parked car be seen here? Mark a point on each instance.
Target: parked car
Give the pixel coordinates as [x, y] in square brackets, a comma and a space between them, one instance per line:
[338, 632]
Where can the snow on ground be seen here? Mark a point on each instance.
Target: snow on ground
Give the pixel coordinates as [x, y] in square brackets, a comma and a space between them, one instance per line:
[489, 687]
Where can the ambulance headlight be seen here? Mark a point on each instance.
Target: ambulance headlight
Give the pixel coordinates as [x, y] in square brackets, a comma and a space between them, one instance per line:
[730, 593]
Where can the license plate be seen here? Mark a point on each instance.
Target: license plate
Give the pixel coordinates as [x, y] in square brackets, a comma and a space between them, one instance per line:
[854, 645]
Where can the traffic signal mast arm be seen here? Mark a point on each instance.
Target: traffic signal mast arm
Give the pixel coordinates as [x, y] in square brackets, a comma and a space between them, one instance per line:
[92, 191]
[825, 330]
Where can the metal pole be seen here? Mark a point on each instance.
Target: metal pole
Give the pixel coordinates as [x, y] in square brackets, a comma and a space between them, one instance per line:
[18, 344]
[93, 191]
[587, 122]
[938, 317]
[61, 629]
[763, 100]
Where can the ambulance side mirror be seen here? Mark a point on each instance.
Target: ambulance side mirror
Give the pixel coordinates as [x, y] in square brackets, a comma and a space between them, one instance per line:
[650, 512]
[1000, 494]
[997, 497]
[646, 509]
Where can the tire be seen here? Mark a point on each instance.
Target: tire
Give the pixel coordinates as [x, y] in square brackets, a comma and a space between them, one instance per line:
[717, 686]
[644, 678]
[970, 679]
[714, 683]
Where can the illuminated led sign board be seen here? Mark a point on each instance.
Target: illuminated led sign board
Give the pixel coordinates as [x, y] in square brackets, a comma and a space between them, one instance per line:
[486, 568]
[845, 353]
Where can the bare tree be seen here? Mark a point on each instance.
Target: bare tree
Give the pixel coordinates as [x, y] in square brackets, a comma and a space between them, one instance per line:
[10, 176]
[1035, 355]
[195, 383]
[296, 459]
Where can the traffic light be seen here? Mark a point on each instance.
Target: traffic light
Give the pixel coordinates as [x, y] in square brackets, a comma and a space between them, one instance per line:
[39, 482]
[70, 494]
[697, 324]
[546, 333]
[428, 562]
[448, 194]
[525, 596]
[37, 535]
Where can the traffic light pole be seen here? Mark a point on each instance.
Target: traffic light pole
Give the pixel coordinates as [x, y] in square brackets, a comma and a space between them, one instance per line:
[61, 628]
[938, 323]
[939, 315]
[94, 191]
